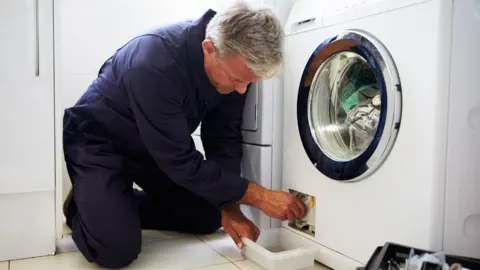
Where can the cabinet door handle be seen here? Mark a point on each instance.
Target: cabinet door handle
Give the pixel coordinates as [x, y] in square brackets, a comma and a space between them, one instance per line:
[36, 37]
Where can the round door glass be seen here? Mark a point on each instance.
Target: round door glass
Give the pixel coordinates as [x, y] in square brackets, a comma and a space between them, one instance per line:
[344, 106]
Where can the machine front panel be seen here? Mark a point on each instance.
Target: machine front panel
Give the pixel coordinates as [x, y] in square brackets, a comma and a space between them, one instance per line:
[353, 217]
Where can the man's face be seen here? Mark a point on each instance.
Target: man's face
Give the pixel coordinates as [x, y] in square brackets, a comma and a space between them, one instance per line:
[227, 74]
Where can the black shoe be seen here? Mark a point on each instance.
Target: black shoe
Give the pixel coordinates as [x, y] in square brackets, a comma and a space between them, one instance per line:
[68, 204]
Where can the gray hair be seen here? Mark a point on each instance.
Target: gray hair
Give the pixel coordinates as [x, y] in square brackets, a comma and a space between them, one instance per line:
[252, 31]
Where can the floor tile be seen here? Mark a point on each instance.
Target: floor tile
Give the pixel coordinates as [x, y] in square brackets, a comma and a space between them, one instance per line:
[180, 253]
[66, 244]
[225, 266]
[223, 244]
[4, 266]
[249, 265]
[67, 261]
[149, 235]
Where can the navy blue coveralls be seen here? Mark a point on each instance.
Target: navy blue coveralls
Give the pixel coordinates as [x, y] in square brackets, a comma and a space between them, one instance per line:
[134, 124]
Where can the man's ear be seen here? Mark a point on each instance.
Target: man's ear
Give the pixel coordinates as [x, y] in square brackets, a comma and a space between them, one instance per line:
[208, 47]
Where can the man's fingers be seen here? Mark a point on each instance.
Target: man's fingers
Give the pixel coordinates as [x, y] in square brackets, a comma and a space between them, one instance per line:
[248, 231]
[290, 215]
[234, 235]
[257, 233]
[297, 211]
[302, 207]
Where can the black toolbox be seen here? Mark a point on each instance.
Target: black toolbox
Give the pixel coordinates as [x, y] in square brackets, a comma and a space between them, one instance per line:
[383, 255]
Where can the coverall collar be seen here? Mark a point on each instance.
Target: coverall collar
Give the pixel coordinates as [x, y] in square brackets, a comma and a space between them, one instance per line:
[196, 35]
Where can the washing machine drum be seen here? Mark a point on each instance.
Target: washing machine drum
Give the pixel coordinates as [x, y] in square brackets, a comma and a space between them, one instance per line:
[348, 108]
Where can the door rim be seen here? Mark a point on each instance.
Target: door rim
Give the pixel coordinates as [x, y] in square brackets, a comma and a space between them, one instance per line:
[379, 58]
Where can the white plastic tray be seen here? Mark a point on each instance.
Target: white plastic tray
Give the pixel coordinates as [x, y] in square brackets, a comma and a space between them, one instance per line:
[273, 252]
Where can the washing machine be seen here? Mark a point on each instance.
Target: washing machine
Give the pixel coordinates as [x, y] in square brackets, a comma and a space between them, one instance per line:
[382, 126]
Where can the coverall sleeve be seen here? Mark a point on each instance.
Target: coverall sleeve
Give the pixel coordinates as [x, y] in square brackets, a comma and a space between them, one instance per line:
[156, 102]
[221, 132]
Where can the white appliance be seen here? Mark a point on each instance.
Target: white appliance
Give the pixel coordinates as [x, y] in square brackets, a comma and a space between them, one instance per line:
[382, 125]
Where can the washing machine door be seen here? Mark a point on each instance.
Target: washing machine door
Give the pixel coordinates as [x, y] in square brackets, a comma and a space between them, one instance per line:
[349, 106]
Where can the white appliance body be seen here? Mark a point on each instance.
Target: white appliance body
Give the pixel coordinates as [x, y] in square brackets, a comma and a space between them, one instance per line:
[419, 186]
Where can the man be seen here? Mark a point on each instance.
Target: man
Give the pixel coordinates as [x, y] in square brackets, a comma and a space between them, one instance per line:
[134, 125]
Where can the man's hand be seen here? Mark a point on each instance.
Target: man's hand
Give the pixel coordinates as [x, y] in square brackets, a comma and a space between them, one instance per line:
[282, 205]
[237, 225]
[277, 204]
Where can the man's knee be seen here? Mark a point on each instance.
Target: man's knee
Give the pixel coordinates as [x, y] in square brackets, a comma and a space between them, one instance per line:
[105, 225]
[119, 252]
[112, 241]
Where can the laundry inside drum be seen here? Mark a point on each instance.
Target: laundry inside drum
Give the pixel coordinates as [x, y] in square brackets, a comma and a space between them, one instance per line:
[344, 106]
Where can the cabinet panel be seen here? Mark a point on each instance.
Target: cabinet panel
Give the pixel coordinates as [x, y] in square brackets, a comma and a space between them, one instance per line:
[257, 126]
[257, 167]
[27, 227]
[250, 110]
[26, 96]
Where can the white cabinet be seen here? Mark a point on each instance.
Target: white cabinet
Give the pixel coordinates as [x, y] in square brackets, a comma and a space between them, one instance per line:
[26, 101]
[27, 167]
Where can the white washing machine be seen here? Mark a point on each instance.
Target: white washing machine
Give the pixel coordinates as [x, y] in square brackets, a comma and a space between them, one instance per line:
[382, 125]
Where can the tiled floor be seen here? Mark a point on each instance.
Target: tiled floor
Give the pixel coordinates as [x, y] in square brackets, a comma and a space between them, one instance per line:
[161, 250]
